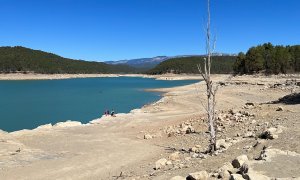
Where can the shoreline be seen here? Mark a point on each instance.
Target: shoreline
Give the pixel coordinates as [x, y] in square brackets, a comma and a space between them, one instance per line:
[33, 76]
[103, 118]
[71, 123]
[132, 143]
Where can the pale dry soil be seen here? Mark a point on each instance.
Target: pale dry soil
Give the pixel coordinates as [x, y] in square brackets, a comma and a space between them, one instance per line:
[34, 76]
[115, 146]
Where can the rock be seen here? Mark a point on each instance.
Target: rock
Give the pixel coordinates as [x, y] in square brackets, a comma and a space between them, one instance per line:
[279, 129]
[201, 175]
[267, 154]
[219, 129]
[168, 163]
[181, 166]
[232, 111]
[248, 134]
[194, 155]
[224, 174]
[245, 113]
[160, 163]
[67, 124]
[170, 131]
[174, 156]
[271, 133]
[279, 108]
[248, 147]
[274, 136]
[239, 161]
[220, 118]
[225, 170]
[238, 114]
[187, 129]
[190, 130]
[244, 168]
[177, 178]
[249, 104]
[147, 136]
[236, 177]
[195, 149]
[221, 143]
[255, 176]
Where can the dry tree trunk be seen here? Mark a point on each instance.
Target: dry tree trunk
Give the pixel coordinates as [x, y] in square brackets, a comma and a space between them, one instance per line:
[210, 88]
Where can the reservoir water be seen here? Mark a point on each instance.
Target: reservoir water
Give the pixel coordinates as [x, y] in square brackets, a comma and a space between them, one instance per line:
[31, 103]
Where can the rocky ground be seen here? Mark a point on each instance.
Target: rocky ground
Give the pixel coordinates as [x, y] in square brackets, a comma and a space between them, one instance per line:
[258, 138]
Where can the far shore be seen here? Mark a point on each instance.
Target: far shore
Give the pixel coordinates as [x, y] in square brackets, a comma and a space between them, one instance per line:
[33, 76]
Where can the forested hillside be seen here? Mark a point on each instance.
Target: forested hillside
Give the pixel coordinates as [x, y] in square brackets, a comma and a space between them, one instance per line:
[20, 59]
[220, 65]
[269, 59]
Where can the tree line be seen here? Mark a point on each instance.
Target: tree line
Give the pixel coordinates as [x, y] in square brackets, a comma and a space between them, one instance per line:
[265, 58]
[21, 59]
[268, 59]
[220, 65]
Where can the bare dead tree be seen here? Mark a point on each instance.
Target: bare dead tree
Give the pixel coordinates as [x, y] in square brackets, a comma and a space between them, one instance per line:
[211, 89]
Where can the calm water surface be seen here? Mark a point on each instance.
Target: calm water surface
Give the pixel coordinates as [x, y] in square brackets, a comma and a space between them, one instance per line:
[28, 104]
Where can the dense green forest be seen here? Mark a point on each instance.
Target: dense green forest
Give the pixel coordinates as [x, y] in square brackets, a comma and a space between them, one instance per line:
[265, 58]
[220, 65]
[20, 59]
[269, 59]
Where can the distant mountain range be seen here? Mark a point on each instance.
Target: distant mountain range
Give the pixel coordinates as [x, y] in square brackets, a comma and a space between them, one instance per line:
[145, 63]
[148, 63]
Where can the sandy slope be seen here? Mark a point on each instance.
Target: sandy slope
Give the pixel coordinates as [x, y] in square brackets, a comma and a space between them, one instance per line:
[112, 145]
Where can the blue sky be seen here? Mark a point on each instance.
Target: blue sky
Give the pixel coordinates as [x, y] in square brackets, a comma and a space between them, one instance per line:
[124, 29]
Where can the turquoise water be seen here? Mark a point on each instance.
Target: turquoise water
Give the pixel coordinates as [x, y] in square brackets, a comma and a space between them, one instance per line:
[28, 104]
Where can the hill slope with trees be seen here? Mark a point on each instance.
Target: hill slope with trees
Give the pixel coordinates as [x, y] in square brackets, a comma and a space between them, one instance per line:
[270, 59]
[21, 59]
[220, 65]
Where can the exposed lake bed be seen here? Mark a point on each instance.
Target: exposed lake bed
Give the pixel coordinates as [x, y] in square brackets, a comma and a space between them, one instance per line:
[131, 143]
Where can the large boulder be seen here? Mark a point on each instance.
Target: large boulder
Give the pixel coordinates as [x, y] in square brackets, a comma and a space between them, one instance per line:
[160, 163]
[239, 161]
[201, 175]
[225, 171]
